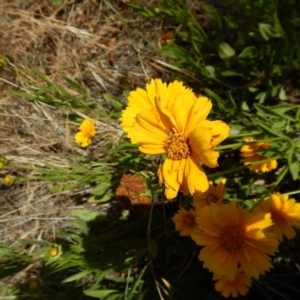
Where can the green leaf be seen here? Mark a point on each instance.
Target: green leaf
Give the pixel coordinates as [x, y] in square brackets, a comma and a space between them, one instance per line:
[267, 31]
[267, 128]
[282, 94]
[294, 169]
[226, 51]
[77, 276]
[265, 111]
[231, 73]
[249, 52]
[84, 214]
[99, 293]
[78, 168]
[100, 199]
[114, 102]
[101, 188]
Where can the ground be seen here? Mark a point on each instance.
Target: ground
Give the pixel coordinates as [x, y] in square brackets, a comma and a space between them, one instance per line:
[105, 47]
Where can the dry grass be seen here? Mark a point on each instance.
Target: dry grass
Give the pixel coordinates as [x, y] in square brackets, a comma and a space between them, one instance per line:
[86, 42]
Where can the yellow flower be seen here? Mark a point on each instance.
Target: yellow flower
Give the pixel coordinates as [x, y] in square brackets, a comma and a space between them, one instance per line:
[8, 179]
[239, 285]
[285, 214]
[248, 152]
[185, 221]
[177, 126]
[87, 131]
[214, 194]
[232, 237]
[144, 100]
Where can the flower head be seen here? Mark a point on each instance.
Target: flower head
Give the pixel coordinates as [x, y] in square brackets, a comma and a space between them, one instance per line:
[214, 194]
[8, 179]
[87, 130]
[173, 121]
[248, 152]
[233, 237]
[239, 285]
[185, 221]
[285, 214]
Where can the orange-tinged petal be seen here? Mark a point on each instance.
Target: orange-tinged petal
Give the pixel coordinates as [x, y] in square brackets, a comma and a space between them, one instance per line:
[198, 113]
[148, 130]
[200, 143]
[194, 179]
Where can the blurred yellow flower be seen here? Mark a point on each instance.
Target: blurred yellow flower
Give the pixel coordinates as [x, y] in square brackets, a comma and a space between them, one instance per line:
[87, 130]
[214, 194]
[175, 123]
[285, 214]
[248, 152]
[8, 179]
[185, 221]
[233, 237]
[239, 285]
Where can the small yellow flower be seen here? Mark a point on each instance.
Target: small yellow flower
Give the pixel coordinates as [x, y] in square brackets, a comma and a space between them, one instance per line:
[185, 221]
[248, 152]
[233, 237]
[240, 285]
[8, 179]
[214, 194]
[87, 130]
[285, 214]
[172, 120]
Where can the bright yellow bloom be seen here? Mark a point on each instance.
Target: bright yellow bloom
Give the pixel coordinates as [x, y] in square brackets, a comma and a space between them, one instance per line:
[248, 152]
[285, 214]
[214, 194]
[8, 179]
[144, 100]
[240, 285]
[87, 131]
[185, 221]
[233, 237]
[177, 125]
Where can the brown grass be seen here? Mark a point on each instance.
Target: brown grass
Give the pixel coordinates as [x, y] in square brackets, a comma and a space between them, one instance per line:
[86, 42]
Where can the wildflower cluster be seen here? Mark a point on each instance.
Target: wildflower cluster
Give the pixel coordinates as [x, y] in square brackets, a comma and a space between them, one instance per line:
[237, 244]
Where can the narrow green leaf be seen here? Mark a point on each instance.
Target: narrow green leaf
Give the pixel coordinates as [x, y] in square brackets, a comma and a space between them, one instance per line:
[294, 169]
[101, 188]
[99, 293]
[77, 276]
[84, 214]
[79, 169]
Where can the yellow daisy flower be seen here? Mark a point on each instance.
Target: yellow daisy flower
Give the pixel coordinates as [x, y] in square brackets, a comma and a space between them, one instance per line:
[239, 285]
[248, 152]
[214, 194]
[285, 214]
[233, 237]
[87, 130]
[144, 100]
[180, 129]
[185, 221]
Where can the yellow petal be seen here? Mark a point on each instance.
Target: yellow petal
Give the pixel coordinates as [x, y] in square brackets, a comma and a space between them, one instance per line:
[194, 178]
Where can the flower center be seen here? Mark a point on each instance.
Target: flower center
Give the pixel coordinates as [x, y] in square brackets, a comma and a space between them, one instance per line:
[189, 221]
[233, 238]
[278, 217]
[211, 198]
[177, 146]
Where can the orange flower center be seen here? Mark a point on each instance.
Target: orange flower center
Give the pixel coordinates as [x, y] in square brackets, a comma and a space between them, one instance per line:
[189, 221]
[211, 198]
[177, 146]
[233, 238]
[278, 217]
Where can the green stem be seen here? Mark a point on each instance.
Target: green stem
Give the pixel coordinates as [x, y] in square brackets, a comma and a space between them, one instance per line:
[236, 145]
[233, 136]
[292, 193]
